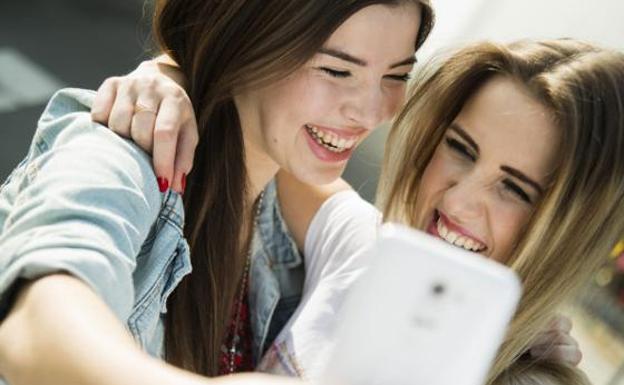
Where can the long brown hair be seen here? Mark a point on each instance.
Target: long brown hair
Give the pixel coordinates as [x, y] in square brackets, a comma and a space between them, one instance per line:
[223, 47]
[581, 216]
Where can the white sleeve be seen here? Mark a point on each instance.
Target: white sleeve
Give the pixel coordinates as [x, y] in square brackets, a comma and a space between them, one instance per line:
[339, 232]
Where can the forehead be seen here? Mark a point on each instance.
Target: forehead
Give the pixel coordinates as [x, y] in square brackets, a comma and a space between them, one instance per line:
[511, 127]
[379, 32]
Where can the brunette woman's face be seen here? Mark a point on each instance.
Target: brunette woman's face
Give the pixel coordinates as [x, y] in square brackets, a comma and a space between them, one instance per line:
[310, 122]
[490, 169]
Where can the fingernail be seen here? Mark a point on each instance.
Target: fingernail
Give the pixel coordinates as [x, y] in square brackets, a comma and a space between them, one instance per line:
[163, 184]
[183, 182]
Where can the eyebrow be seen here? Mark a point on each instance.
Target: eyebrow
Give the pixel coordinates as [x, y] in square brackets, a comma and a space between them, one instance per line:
[510, 170]
[518, 174]
[361, 62]
[460, 131]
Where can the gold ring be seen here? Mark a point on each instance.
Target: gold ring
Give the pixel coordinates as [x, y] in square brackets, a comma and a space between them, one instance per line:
[140, 107]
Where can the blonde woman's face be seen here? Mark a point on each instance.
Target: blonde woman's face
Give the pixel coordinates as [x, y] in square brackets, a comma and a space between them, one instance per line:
[490, 169]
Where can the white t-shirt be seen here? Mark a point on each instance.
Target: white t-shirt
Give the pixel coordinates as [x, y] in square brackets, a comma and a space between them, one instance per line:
[340, 231]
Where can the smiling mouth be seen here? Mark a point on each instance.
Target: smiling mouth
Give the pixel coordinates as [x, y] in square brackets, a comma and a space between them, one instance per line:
[456, 239]
[330, 140]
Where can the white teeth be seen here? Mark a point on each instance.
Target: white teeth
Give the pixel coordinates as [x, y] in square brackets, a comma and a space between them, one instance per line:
[442, 230]
[457, 239]
[329, 140]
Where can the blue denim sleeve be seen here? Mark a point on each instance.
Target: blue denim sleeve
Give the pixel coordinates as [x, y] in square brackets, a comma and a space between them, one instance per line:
[83, 205]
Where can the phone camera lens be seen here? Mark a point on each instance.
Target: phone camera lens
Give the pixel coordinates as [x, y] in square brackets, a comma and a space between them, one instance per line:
[438, 289]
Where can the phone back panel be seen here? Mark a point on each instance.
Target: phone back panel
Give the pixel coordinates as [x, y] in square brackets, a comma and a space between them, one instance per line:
[424, 313]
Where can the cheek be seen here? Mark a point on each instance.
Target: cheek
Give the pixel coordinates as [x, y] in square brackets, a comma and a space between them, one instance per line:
[508, 224]
[288, 105]
[434, 181]
[394, 100]
[307, 97]
[439, 174]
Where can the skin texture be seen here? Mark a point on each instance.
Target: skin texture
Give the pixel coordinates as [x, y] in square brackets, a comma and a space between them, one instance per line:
[470, 189]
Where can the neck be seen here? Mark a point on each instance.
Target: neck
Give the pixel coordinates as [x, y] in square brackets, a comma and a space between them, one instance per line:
[260, 170]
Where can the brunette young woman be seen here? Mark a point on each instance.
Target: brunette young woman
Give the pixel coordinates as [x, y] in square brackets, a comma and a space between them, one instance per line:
[97, 251]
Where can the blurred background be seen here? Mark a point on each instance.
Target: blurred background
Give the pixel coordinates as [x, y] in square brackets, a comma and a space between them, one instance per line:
[49, 44]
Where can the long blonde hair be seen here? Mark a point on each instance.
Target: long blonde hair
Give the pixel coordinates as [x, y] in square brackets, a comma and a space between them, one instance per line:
[581, 215]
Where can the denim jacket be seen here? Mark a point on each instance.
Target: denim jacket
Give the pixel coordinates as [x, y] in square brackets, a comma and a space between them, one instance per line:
[85, 201]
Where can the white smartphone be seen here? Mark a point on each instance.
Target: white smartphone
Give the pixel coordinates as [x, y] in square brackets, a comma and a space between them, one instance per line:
[424, 313]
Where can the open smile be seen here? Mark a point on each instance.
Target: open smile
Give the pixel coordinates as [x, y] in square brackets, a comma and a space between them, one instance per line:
[330, 140]
[330, 144]
[453, 234]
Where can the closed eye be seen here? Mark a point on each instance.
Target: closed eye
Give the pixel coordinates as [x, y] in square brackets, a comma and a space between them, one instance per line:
[401, 78]
[517, 190]
[335, 73]
[460, 148]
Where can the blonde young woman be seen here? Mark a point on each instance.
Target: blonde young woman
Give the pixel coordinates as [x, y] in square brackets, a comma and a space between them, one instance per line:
[514, 152]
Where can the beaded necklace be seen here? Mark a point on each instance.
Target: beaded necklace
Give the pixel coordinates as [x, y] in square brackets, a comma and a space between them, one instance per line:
[235, 347]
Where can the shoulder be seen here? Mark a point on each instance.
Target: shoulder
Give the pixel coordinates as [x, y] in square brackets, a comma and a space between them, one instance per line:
[299, 202]
[67, 136]
[342, 226]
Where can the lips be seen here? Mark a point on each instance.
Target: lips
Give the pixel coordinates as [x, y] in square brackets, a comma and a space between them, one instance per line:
[330, 145]
[330, 140]
[454, 234]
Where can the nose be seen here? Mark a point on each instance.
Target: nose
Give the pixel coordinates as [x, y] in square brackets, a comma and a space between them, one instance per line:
[464, 200]
[365, 106]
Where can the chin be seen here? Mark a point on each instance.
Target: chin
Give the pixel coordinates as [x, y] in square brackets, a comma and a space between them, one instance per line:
[318, 177]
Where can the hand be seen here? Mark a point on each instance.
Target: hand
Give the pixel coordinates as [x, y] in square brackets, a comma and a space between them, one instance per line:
[151, 107]
[556, 344]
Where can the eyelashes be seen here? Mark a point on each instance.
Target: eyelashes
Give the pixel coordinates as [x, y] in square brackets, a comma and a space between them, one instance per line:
[460, 148]
[515, 189]
[345, 74]
[508, 184]
[335, 73]
[401, 78]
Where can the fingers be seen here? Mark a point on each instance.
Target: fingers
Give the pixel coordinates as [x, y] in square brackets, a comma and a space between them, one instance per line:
[103, 102]
[185, 152]
[155, 112]
[166, 139]
[123, 110]
[565, 354]
[143, 121]
[554, 337]
[560, 322]
[556, 345]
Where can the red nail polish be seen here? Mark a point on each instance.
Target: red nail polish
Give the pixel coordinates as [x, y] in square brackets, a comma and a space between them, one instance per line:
[163, 184]
[183, 182]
